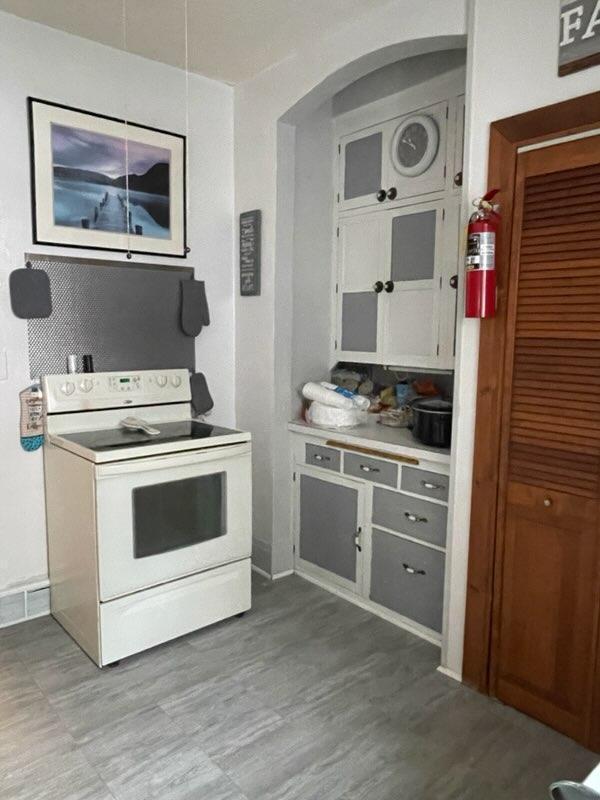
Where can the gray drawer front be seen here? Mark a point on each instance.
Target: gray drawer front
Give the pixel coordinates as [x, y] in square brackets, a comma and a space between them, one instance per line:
[410, 515]
[371, 469]
[408, 578]
[420, 481]
[325, 457]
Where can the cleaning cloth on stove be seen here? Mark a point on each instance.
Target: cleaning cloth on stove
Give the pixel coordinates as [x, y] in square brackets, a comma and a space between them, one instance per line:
[194, 307]
[202, 402]
[30, 296]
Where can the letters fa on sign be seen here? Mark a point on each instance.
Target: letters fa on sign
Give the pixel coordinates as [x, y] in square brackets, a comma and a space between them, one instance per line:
[579, 35]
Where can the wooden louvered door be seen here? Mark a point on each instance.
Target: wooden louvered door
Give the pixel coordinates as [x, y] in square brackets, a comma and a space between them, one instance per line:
[546, 595]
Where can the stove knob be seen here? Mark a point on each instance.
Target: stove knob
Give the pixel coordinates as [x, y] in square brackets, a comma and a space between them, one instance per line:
[86, 385]
[161, 380]
[176, 381]
[67, 388]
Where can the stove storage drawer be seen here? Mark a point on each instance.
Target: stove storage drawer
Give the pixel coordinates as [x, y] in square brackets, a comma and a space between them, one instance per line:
[412, 516]
[408, 578]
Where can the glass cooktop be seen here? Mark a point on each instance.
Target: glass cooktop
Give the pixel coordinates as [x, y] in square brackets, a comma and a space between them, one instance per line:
[119, 438]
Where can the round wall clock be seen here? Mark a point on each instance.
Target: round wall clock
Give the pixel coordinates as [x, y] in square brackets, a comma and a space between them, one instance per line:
[415, 145]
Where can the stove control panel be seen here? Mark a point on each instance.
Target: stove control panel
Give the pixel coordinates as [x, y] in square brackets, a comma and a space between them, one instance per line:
[97, 390]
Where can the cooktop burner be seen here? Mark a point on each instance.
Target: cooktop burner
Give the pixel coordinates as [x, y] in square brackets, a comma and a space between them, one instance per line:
[119, 438]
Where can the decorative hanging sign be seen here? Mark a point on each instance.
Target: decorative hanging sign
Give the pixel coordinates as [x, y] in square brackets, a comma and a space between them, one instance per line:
[579, 35]
[250, 253]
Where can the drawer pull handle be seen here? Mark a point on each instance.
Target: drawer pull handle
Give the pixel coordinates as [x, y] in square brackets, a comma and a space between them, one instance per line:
[319, 457]
[429, 485]
[367, 468]
[413, 517]
[412, 570]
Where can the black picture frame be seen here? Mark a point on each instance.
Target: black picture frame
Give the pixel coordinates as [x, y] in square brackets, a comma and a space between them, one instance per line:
[42, 172]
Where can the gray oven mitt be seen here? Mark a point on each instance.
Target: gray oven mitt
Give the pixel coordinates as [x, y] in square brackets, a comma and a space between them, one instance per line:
[30, 296]
[201, 399]
[194, 307]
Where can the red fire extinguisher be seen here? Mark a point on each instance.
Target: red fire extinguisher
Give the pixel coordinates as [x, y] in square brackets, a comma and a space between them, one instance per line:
[480, 261]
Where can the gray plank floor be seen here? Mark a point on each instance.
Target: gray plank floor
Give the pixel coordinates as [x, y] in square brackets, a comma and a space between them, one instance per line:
[307, 697]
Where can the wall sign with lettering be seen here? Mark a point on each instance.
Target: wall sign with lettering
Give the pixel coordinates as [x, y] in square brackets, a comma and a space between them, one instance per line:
[579, 35]
[250, 253]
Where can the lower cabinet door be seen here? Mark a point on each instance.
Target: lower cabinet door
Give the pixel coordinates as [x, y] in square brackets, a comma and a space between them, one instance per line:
[328, 537]
[408, 578]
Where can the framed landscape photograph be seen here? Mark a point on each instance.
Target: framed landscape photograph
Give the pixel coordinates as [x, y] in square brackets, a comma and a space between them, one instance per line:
[98, 182]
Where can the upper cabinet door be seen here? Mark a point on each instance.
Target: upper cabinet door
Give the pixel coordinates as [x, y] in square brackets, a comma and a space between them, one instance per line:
[397, 159]
[416, 156]
[361, 157]
[361, 277]
[411, 312]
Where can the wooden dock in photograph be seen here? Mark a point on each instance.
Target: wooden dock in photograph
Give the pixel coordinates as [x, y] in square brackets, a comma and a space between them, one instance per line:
[111, 215]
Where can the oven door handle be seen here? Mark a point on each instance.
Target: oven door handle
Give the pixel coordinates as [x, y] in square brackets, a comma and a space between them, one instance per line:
[184, 458]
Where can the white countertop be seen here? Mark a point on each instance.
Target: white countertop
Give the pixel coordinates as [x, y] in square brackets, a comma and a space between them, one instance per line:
[394, 440]
[593, 779]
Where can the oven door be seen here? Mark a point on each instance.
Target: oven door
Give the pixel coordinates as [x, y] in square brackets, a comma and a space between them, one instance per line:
[160, 518]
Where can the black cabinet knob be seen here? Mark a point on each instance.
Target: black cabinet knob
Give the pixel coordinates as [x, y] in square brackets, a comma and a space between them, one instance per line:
[389, 286]
[458, 178]
[454, 282]
[378, 286]
[381, 195]
[392, 193]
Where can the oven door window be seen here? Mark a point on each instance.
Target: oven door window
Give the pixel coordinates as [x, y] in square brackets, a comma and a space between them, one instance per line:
[169, 516]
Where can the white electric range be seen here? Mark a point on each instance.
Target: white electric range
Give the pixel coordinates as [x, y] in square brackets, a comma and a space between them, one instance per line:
[148, 511]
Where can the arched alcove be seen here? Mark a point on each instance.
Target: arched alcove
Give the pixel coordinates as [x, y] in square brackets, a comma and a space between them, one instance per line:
[303, 236]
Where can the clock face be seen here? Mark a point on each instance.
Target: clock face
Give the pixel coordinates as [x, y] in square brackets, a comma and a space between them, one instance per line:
[412, 145]
[415, 145]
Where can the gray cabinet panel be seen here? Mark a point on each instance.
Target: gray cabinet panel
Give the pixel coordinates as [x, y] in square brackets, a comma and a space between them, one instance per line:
[413, 246]
[325, 457]
[421, 481]
[359, 322]
[371, 469]
[328, 525]
[408, 578]
[410, 515]
[362, 160]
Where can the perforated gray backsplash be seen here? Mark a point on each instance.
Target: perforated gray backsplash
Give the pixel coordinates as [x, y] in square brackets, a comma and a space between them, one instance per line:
[126, 315]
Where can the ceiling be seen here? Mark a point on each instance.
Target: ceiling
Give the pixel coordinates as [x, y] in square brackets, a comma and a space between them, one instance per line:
[229, 40]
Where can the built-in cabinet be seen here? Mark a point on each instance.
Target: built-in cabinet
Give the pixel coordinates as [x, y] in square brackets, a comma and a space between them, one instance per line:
[397, 229]
[374, 528]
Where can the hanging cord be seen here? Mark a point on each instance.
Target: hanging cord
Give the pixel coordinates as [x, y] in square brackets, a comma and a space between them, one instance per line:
[127, 207]
[186, 209]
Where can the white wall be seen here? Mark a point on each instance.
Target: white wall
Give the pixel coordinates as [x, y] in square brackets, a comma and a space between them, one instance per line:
[294, 87]
[52, 65]
[313, 237]
[396, 77]
[511, 68]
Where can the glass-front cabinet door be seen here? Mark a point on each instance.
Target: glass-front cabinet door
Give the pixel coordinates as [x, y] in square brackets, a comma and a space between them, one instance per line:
[411, 314]
[360, 284]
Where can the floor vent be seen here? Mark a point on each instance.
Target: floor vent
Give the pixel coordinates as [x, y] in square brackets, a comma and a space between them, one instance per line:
[23, 604]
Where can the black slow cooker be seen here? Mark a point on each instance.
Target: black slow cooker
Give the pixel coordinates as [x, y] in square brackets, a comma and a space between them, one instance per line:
[432, 421]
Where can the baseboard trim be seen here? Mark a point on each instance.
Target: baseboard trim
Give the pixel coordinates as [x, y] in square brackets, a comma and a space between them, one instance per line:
[285, 574]
[261, 572]
[25, 603]
[450, 673]
[367, 606]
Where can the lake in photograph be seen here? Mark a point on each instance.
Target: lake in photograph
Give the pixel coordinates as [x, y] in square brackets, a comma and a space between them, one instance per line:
[91, 172]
